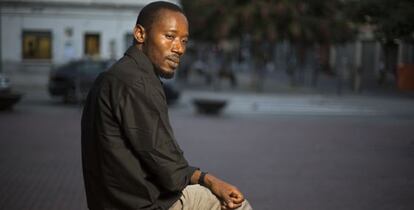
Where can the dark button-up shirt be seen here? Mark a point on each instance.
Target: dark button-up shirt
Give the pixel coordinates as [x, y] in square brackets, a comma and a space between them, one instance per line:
[130, 157]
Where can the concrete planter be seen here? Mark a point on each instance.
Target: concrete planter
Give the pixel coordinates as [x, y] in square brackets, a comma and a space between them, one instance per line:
[8, 99]
[209, 106]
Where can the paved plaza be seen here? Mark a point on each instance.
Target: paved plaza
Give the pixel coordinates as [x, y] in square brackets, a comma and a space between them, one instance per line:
[288, 152]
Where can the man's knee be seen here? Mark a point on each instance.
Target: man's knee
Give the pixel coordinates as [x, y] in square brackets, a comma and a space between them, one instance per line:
[199, 197]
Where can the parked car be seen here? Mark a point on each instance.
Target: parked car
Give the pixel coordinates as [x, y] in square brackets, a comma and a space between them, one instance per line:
[171, 92]
[7, 97]
[73, 80]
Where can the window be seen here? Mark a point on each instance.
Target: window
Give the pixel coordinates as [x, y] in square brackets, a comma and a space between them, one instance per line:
[37, 45]
[91, 44]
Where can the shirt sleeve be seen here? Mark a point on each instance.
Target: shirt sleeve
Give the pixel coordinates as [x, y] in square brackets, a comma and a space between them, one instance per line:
[149, 133]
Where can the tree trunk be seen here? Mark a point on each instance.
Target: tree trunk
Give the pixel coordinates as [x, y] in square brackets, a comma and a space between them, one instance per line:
[390, 49]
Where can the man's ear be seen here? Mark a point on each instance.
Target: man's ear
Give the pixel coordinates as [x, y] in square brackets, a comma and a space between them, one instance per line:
[139, 33]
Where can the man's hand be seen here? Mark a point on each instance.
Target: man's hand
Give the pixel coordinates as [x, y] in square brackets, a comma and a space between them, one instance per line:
[228, 194]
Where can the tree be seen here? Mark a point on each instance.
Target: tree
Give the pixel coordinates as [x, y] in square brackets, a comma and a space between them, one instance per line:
[303, 23]
[391, 19]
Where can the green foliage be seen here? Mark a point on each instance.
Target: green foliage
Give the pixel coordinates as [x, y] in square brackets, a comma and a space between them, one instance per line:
[392, 18]
[300, 21]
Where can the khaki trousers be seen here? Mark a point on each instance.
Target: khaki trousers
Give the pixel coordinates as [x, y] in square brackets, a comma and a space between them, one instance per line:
[196, 197]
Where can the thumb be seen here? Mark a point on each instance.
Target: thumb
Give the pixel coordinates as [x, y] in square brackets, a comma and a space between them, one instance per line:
[228, 201]
[237, 198]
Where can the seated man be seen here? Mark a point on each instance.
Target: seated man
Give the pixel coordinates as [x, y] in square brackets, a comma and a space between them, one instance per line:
[130, 157]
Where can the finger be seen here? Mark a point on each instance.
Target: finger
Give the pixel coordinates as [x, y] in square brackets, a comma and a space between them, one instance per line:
[236, 193]
[223, 204]
[230, 205]
[228, 201]
[226, 198]
[234, 206]
[237, 200]
[237, 197]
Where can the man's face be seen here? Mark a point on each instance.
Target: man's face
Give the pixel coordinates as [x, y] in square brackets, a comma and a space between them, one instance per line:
[165, 42]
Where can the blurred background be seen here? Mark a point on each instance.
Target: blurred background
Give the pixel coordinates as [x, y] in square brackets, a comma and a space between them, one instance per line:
[301, 104]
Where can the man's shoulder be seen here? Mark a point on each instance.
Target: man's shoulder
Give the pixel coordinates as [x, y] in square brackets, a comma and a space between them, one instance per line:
[126, 71]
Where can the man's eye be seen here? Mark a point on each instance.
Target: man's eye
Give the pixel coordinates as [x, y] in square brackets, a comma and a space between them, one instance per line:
[185, 41]
[169, 36]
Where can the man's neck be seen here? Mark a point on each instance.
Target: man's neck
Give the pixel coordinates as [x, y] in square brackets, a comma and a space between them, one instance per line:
[139, 46]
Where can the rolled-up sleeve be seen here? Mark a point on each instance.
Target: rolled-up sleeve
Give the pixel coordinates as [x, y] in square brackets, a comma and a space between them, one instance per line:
[150, 136]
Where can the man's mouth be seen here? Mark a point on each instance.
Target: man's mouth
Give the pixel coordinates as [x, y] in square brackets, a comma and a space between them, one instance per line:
[173, 61]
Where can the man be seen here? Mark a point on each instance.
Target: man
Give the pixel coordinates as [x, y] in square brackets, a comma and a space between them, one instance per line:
[129, 155]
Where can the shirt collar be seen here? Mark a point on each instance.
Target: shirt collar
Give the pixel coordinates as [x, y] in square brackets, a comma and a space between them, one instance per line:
[140, 58]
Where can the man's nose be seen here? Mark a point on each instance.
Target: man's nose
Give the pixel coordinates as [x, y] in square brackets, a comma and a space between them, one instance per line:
[178, 47]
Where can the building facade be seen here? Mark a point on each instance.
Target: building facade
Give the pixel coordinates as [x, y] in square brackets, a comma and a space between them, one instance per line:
[37, 34]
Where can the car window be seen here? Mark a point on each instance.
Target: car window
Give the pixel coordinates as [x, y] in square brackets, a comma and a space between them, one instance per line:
[92, 68]
[71, 67]
[66, 69]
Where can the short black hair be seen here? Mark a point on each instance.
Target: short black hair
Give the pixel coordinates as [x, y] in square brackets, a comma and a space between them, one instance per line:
[150, 12]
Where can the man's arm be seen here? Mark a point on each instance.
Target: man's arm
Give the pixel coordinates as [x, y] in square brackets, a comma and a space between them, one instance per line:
[229, 195]
[147, 134]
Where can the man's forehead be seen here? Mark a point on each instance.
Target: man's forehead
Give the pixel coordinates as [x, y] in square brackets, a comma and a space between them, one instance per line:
[165, 15]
